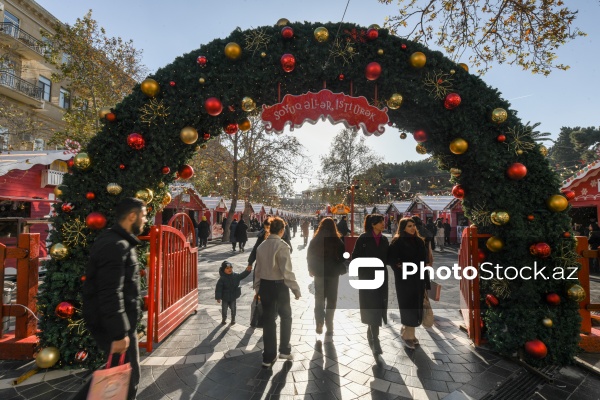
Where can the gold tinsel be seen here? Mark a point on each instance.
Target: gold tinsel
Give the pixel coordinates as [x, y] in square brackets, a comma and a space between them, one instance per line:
[342, 49]
[438, 83]
[523, 138]
[73, 234]
[79, 324]
[255, 40]
[153, 110]
[565, 257]
[377, 103]
[480, 215]
[501, 288]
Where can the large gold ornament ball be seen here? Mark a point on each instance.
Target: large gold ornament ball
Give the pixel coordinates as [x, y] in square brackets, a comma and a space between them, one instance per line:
[57, 191]
[500, 217]
[464, 66]
[150, 87]
[146, 195]
[321, 34]
[47, 357]
[166, 199]
[421, 149]
[114, 188]
[103, 111]
[455, 172]
[543, 150]
[547, 322]
[417, 59]
[557, 203]
[188, 135]
[499, 115]
[82, 161]
[494, 244]
[233, 51]
[459, 146]
[245, 125]
[283, 22]
[576, 293]
[59, 251]
[395, 101]
[248, 104]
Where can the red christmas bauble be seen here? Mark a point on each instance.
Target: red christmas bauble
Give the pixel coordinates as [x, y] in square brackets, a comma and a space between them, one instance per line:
[64, 309]
[185, 172]
[372, 34]
[121, 166]
[566, 235]
[288, 62]
[452, 101]
[202, 61]
[341, 77]
[165, 170]
[111, 117]
[213, 106]
[136, 141]
[541, 250]
[90, 196]
[420, 136]
[95, 220]
[287, 32]
[458, 192]
[501, 138]
[67, 207]
[81, 356]
[142, 273]
[536, 349]
[372, 71]
[206, 136]
[530, 217]
[553, 299]
[569, 194]
[403, 46]
[491, 300]
[172, 83]
[481, 255]
[516, 171]
[145, 305]
[230, 128]
[70, 163]
[82, 278]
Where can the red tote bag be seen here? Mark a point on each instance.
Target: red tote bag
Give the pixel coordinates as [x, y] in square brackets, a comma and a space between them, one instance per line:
[111, 383]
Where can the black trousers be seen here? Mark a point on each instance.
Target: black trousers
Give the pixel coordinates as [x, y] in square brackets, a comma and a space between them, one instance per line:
[275, 299]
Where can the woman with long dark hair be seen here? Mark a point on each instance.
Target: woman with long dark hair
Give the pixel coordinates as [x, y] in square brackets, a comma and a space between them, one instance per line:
[325, 258]
[409, 247]
[373, 302]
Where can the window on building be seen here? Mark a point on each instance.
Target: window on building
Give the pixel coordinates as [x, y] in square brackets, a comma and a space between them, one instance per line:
[45, 84]
[4, 139]
[65, 59]
[64, 100]
[8, 17]
[38, 145]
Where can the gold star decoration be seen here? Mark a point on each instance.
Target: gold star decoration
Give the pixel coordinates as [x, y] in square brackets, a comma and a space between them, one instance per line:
[480, 215]
[342, 49]
[565, 257]
[255, 40]
[438, 83]
[501, 288]
[153, 110]
[523, 138]
[79, 325]
[73, 233]
[377, 103]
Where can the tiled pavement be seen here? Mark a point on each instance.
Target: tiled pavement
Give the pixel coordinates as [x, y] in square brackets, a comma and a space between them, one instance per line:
[204, 359]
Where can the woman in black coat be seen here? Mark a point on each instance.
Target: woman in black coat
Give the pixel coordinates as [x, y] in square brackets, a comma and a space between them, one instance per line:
[373, 302]
[325, 257]
[409, 247]
[241, 234]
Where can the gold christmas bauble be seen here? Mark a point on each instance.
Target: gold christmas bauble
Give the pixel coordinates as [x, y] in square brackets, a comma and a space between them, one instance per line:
[547, 322]
[500, 217]
[161, 184]
[114, 188]
[203, 146]
[374, 26]
[557, 203]
[499, 115]
[380, 52]
[166, 199]
[417, 59]
[47, 357]
[59, 251]
[321, 34]
[233, 51]
[188, 135]
[543, 150]
[520, 152]
[145, 195]
[455, 172]
[403, 135]
[459, 146]
[350, 49]
[283, 22]
[103, 111]
[395, 101]
[452, 72]
[464, 66]
[576, 293]
[150, 87]
[245, 125]
[263, 54]
[57, 191]
[421, 149]
[202, 80]
[82, 161]
[248, 104]
[494, 244]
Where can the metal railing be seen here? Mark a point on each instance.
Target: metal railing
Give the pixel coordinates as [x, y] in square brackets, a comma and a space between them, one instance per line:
[14, 82]
[8, 28]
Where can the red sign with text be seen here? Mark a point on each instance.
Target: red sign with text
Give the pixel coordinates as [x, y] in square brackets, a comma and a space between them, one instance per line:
[353, 112]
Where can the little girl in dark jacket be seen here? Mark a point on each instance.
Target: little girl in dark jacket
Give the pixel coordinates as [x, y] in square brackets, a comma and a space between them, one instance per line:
[228, 289]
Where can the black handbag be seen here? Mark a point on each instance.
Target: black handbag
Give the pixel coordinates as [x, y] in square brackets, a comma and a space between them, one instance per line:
[256, 319]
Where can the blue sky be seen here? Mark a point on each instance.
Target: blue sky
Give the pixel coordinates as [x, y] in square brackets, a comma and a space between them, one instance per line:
[165, 30]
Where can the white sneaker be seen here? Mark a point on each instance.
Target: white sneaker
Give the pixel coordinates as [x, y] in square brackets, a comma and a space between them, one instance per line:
[268, 364]
[289, 357]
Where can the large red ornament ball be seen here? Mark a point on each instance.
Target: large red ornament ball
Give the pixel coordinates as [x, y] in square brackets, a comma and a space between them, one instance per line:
[202, 61]
[213, 106]
[70, 163]
[452, 101]
[111, 117]
[136, 141]
[553, 299]
[185, 172]
[230, 128]
[516, 171]
[458, 192]
[287, 32]
[541, 250]
[165, 170]
[95, 220]
[569, 194]
[372, 71]
[372, 34]
[64, 309]
[288, 62]
[420, 136]
[67, 207]
[81, 356]
[90, 196]
[536, 349]
[491, 300]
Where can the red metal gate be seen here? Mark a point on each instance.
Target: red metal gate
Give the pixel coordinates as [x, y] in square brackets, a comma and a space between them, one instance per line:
[172, 278]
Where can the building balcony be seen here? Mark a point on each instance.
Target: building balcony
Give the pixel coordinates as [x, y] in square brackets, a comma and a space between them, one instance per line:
[32, 46]
[17, 88]
[51, 177]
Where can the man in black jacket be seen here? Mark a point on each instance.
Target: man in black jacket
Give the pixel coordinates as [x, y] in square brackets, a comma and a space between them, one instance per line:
[111, 291]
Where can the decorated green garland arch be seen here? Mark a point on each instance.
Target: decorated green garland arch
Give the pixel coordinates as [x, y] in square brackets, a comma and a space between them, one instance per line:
[507, 186]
